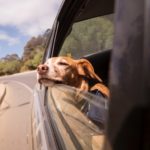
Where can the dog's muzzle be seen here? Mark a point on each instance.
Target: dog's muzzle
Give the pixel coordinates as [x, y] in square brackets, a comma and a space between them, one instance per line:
[42, 69]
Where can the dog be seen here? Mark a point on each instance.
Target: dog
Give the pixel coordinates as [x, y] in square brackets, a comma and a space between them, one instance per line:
[77, 73]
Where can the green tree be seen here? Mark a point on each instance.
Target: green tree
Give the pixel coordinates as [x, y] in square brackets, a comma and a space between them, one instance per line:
[89, 36]
[32, 64]
[9, 67]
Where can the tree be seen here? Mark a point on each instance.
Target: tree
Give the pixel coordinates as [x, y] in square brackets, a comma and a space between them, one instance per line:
[32, 64]
[89, 36]
[10, 67]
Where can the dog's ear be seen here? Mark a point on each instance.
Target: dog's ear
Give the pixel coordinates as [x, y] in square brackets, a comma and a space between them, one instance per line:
[85, 69]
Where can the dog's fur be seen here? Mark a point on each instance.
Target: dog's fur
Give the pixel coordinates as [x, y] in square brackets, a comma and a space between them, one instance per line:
[77, 73]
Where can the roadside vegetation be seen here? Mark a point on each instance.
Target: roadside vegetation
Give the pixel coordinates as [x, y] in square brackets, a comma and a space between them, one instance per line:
[90, 36]
[32, 56]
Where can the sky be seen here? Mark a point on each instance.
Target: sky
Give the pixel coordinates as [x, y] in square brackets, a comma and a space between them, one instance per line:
[22, 19]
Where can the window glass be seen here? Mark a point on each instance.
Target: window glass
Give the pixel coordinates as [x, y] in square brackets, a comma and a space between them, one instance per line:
[80, 116]
[89, 36]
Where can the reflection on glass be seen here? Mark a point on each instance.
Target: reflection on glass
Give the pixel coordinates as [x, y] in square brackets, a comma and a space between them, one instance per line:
[79, 116]
[89, 36]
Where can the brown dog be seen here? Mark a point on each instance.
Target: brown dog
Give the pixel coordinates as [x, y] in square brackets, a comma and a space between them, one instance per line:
[76, 73]
[79, 74]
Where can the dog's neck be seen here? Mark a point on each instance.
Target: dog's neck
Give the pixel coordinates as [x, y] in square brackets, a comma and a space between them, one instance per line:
[86, 83]
[92, 85]
[80, 83]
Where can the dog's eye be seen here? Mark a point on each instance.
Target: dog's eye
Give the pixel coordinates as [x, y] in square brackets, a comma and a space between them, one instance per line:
[63, 63]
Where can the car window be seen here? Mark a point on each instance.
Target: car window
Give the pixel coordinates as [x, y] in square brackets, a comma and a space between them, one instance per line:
[76, 126]
[89, 36]
[79, 118]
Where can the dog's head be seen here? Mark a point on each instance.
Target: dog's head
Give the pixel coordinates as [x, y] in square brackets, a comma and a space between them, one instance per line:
[67, 71]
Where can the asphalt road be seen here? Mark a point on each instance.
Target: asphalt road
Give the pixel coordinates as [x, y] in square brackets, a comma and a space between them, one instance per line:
[28, 78]
[15, 111]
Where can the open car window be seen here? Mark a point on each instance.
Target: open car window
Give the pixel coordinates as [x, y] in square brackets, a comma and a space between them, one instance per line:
[78, 117]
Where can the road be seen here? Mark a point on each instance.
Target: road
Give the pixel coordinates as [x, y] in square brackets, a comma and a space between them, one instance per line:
[28, 78]
[15, 111]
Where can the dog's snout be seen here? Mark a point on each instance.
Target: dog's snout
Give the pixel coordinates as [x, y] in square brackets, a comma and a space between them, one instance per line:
[42, 69]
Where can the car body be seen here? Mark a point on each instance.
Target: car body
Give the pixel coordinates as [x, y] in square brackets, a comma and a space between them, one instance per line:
[123, 65]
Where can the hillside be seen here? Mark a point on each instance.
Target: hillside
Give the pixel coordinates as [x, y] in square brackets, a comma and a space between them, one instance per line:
[32, 55]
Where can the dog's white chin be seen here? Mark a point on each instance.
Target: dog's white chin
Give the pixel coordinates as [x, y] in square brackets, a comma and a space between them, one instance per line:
[47, 82]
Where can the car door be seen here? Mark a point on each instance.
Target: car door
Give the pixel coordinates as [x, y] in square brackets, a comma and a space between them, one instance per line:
[129, 78]
[58, 127]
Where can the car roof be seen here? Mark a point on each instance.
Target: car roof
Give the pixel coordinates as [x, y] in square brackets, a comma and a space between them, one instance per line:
[87, 8]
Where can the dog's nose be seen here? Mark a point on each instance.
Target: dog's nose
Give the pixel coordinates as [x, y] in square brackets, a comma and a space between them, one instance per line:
[42, 69]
